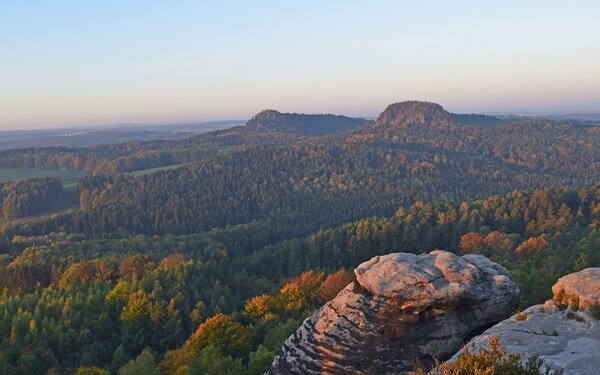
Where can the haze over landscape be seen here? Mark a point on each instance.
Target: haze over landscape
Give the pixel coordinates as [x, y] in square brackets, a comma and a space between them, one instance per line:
[299, 188]
[72, 63]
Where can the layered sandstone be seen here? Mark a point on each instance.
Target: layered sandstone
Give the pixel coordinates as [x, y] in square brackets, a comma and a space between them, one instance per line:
[403, 308]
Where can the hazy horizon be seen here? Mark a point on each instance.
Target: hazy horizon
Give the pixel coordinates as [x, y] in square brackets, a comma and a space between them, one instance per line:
[103, 126]
[72, 64]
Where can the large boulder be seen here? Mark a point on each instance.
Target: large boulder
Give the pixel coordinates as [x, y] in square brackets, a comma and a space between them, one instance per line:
[564, 331]
[403, 308]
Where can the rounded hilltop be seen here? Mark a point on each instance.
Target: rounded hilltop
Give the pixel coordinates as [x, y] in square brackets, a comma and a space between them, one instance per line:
[414, 113]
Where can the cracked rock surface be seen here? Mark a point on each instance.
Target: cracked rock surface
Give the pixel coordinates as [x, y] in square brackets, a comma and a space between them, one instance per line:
[565, 331]
[403, 308]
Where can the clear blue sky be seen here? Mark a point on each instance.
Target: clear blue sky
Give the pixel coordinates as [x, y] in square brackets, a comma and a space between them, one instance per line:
[80, 62]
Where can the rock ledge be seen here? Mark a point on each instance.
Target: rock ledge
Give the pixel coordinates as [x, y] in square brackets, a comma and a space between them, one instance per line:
[565, 331]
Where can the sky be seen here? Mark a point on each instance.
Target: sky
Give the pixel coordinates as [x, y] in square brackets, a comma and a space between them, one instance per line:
[94, 62]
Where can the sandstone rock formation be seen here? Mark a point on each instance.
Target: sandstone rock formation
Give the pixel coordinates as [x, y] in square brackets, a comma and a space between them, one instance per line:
[403, 307]
[580, 288]
[564, 331]
[416, 114]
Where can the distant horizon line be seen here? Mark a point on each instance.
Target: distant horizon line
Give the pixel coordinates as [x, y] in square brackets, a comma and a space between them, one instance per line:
[509, 111]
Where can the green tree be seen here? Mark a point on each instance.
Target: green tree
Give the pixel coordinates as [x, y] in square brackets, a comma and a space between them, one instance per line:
[260, 361]
[91, 371]
[212, 362]
[144, 364]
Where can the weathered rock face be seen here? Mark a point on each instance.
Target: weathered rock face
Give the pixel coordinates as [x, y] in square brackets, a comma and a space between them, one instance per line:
[580, 288]
[565, 331]
[403, 307]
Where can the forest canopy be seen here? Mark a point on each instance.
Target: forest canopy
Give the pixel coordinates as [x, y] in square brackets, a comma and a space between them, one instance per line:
[209, 265]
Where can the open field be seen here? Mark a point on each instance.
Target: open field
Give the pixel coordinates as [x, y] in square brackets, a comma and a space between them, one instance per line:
[68, 177]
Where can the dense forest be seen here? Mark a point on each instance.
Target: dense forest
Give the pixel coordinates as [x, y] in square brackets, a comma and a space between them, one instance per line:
[206, 299]
[415, 151]
[208, 267]
[32, 196]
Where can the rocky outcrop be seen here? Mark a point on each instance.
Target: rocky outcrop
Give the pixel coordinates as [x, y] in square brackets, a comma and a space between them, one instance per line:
[580, 290]
[416, 114]
[427, 115]
[565, 331]
[403, 308]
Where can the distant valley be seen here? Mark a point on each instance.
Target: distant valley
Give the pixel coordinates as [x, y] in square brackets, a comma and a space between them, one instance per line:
[79, 137]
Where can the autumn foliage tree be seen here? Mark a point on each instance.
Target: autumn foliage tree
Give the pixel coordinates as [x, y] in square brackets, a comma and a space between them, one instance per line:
[333, 284]
[260, 308]
[531, 246]
[133, 265]
[495, 243]
[472, 243]
[89, 271]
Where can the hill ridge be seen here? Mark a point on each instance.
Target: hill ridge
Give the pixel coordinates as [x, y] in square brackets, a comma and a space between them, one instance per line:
[304, 124]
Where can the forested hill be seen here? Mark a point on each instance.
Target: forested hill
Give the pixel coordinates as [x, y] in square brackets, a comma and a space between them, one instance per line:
[411, 114]
[267, 127]
[272, 127]
[425, 114]
[315, 125]
[541, 146]
[415, 150]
